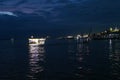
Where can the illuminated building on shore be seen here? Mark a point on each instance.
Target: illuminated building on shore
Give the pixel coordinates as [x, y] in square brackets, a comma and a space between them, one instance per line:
[112, 33]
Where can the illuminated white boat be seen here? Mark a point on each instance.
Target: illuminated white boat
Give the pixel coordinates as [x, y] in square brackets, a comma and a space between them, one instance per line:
[37, 41]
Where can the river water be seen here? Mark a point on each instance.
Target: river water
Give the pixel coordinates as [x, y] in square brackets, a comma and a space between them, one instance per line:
[60, 60]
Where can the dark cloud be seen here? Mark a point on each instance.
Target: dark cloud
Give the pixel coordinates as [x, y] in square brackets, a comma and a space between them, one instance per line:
[66, 11]
[37, 7]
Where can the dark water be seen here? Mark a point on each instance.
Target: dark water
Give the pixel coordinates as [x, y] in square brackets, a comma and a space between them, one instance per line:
[60, 60]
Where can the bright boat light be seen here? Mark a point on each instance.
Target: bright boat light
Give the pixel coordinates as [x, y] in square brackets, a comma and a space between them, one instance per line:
[37, 41]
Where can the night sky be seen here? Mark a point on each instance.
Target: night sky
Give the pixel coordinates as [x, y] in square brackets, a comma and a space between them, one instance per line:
[54, 16]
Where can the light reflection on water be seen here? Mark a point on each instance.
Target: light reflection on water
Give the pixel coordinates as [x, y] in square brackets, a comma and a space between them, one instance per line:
[36, 61]
[82, 68]
[70, 61]
[79, 54]
[86, 69]
[114, 56]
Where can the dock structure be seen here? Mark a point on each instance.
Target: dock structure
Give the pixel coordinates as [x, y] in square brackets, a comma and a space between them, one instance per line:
[83, 38]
